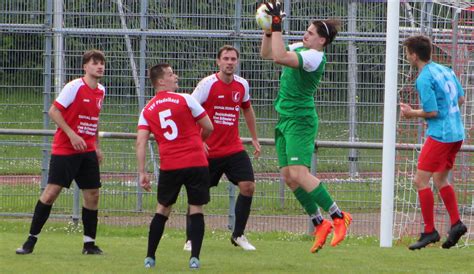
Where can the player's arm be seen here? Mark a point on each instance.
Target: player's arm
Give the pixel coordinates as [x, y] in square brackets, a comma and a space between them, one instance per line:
[206, 126]
[250, 119]
[140, 148]
[77, 142]
[266, 47]
[408, 112]
[279, 53]
[461, 100]
[98, 151]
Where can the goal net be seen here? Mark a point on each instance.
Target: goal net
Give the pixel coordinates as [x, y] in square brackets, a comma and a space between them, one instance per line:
[451, 29]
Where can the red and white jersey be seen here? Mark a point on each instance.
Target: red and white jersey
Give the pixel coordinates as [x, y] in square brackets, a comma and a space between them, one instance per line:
[80, 107]
[222, 103]
[172, 117]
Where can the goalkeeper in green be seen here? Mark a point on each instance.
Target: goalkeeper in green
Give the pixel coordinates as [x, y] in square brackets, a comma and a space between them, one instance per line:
[297, 127]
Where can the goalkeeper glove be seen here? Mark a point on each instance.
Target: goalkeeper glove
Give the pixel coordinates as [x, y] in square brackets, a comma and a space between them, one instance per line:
[275, 11]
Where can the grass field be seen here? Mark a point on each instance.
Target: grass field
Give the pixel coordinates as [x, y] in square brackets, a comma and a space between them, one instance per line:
[58, 251]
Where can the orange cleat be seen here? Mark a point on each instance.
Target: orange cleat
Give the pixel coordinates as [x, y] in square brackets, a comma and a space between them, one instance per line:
[321, 233]
[340, 228]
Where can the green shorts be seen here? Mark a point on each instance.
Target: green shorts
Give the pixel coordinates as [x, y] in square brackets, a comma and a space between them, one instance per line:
[294, 140]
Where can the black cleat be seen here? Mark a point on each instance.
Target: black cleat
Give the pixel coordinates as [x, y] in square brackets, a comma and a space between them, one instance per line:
[425, 239]
[92, 250]
[454, 234]
[28, 246]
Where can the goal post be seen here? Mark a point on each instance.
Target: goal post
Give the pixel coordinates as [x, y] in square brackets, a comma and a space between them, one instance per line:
[389, 128]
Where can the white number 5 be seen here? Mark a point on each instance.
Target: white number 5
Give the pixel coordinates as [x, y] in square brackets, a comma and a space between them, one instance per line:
[168, 123]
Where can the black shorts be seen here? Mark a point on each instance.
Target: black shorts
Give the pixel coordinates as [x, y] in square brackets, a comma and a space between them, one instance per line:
[195, 179]
[236, 167]
[81, 167]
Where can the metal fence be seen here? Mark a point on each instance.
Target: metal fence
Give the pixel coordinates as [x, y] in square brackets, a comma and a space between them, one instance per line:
[42, 42]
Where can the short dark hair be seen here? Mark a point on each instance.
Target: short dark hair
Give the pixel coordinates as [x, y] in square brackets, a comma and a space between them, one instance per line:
[420, 45]
[227, 48]
[327, 29]
[157, 72]
[93, 54]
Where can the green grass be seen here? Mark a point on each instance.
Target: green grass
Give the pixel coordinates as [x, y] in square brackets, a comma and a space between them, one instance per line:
[59, 247]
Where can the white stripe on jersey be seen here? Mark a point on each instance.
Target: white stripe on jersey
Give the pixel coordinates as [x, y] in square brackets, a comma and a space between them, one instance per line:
[201, 92]
[194, 106]
[311, 57]
[69, 92]
[142, 121]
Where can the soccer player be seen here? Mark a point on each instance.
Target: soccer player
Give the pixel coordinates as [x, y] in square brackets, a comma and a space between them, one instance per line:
[75, 151]
[441, 95]
[297, 127]
[179, 125]
[222, 95]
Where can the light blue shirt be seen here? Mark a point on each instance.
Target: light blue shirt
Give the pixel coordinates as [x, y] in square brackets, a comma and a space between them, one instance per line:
[439, 90]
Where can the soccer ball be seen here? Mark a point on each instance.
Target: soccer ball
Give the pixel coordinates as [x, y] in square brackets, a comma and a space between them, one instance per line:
[264, 20]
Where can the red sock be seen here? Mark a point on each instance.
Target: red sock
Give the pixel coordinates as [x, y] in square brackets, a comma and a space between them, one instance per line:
[427, 208]
[449, 199]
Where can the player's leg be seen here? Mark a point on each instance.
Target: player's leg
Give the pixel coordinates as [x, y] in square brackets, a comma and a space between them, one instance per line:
[216, 170]
[448, 196]
[240, 172]
[167, 194]
[299, 136]
[157, 227]
[432, 159]
[88, 180]
[322, 227]
[90, 213]
[426, 198]
[60, 168]
[196, 181]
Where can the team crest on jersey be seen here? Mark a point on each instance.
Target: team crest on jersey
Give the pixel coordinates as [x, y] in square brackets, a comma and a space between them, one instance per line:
[236, 96]
[98, 102]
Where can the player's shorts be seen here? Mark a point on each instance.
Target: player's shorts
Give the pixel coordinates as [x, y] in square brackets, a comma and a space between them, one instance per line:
[236, 167]
[436, 156]
[194, 179]
[81, 167]
[294, 140]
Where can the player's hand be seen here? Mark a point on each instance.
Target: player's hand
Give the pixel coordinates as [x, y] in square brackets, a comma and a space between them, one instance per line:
[77, 142]
[100, 156]
[276, 12]
[144, 181]
[405, 111]
[257, 147]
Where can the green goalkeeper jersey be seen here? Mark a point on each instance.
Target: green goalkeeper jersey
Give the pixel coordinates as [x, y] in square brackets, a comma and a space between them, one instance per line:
[298, 85]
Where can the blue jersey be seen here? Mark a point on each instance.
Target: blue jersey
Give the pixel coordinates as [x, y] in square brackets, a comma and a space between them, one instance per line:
[439, 90]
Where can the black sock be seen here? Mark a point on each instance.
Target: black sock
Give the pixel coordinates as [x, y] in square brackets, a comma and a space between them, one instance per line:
[317, 219]
[40, 217]
[188, 226]
[157, 226]
[196, 233]
[242, 212]
[89, 220]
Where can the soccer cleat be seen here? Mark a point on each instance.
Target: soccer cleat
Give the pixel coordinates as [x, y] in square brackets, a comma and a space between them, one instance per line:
[28, 246]
[149, 262]
[340, 228]
[454, 234]
[194, 263]
[242, 242]
[321, 233]
[92, 250]
[425, 239]
[187, 245]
